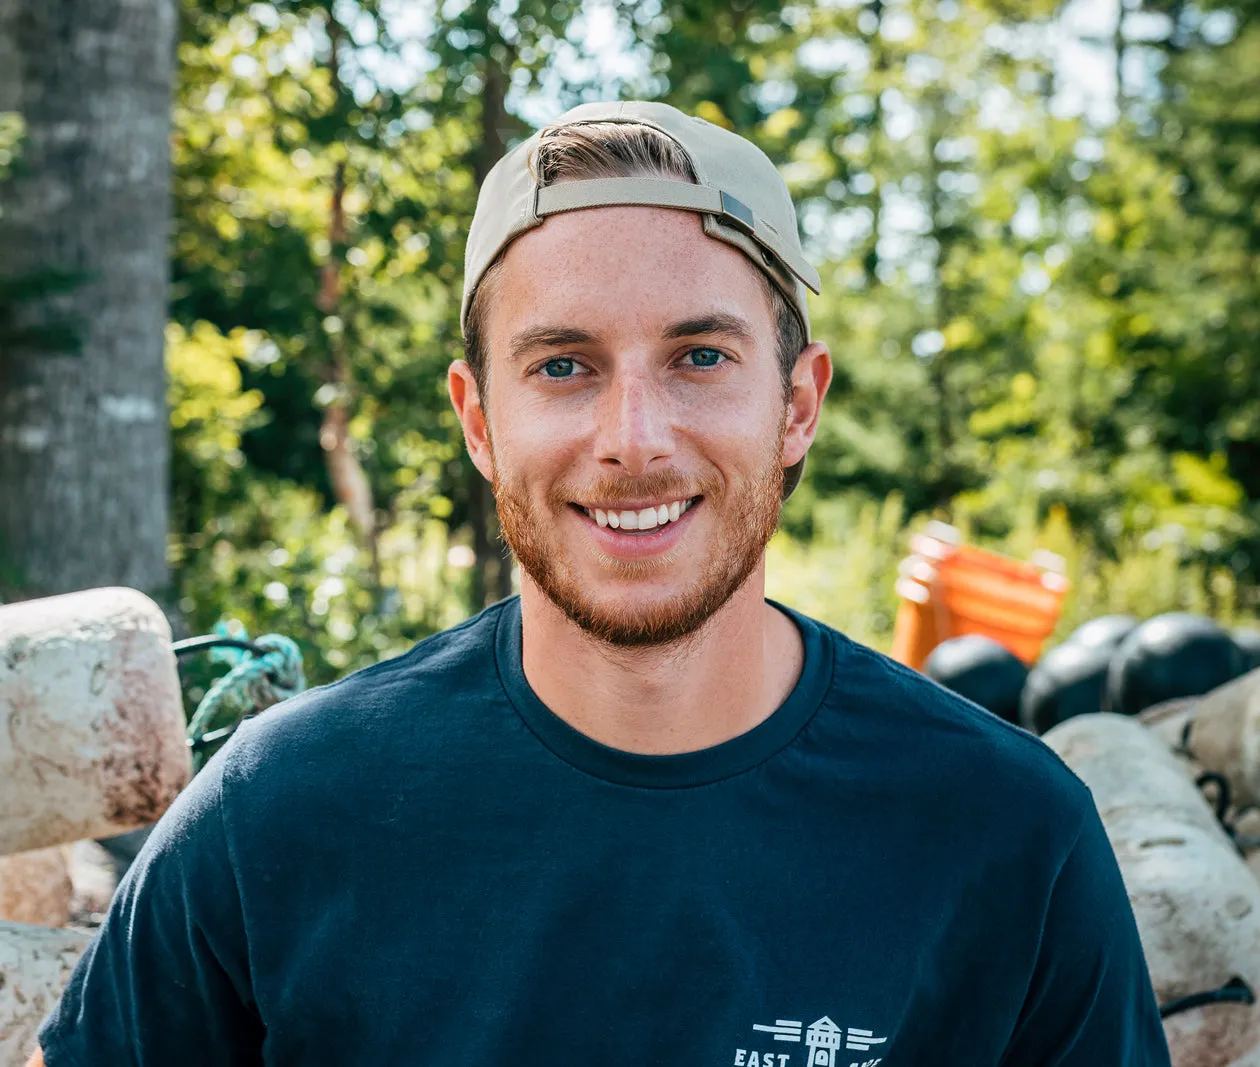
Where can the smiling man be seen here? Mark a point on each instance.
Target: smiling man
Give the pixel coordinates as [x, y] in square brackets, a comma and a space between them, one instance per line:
[638, 815]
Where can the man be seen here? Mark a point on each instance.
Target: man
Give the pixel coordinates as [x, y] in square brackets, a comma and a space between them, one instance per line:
[638, 815]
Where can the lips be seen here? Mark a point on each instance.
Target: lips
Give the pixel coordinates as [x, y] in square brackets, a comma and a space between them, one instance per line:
[638, 545]
[638, 518]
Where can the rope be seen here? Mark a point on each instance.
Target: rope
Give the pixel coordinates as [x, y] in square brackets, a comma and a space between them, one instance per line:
[255, 682]
[211, 641]
[1183, 744]
[1222, 795]
[1235, 991]
[1222, 808]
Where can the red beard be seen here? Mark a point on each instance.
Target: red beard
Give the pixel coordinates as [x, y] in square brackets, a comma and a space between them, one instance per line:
[747, 518]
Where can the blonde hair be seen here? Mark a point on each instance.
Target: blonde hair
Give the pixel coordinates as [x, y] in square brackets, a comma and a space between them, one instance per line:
[582, 151]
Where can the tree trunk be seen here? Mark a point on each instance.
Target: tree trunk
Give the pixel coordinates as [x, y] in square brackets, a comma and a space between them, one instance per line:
[350, 483]
[878, 143]
[83, 436]
[1120, 43]
[943, 474]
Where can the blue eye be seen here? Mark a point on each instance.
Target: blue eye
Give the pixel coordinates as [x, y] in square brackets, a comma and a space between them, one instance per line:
[705, 357]
[559, 368]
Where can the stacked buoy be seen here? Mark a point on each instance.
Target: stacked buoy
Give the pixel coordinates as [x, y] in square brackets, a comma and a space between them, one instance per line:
[35, 962]
[1161, 720]
[1112, 663]
[1167, 657]
[982, 670]
[1196, 902]
[92, 744]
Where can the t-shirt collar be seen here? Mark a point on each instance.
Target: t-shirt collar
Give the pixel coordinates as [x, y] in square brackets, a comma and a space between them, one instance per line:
[678, 770]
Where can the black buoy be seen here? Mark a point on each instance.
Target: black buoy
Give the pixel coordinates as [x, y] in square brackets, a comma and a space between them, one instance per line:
[1069, 680]
[981, 670]
[1170, 656]
[1106, 631]
[1247, 638]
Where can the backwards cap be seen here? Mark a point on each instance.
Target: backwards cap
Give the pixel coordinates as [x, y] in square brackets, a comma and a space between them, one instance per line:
[739, 194]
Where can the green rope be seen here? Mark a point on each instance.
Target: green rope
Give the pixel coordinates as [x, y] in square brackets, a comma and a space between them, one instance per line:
[253, 684]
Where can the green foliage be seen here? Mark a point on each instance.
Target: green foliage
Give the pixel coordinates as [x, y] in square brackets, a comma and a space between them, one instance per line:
[1043, 327]
[846, 575]
[263, 552]
[12, 129]
[277, 562]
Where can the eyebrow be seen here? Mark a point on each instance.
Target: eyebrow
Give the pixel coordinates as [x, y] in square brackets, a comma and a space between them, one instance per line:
[547, 337]
[714, 322]
[717, 322]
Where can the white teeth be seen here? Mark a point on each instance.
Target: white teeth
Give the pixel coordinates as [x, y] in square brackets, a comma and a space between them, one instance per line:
[643, 519]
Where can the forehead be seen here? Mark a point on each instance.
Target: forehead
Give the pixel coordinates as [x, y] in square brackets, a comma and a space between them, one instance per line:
[624, 270]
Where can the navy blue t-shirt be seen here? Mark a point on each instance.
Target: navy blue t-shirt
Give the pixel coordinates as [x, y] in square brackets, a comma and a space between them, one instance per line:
[422, 865]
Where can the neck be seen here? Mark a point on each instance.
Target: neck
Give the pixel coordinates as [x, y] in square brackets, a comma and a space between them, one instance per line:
[714, 685]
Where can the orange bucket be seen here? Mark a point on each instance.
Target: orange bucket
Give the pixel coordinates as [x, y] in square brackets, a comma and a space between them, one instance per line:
[915, 630]
[949, 589]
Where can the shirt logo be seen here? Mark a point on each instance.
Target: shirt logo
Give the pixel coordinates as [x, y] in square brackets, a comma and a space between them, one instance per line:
[823, 1043]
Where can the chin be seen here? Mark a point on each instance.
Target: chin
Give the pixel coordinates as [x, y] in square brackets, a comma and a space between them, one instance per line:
[637, 614]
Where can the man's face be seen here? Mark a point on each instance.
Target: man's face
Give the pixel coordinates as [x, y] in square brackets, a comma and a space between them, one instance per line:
[635, 416]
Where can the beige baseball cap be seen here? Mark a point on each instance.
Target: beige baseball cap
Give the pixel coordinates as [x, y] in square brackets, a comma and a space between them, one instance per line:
[739, 194]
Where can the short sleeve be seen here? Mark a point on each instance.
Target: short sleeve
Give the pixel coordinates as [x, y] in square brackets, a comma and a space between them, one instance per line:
[166, 980]
[1090, 1000]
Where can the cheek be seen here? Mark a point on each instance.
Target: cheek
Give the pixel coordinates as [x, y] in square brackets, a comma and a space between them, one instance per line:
[548, 425]
[738, 421]
[533, 442]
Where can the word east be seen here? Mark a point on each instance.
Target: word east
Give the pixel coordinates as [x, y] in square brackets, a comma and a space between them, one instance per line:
[752, 1058]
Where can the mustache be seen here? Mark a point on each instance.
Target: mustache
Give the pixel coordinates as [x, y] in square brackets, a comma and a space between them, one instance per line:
[658, 485]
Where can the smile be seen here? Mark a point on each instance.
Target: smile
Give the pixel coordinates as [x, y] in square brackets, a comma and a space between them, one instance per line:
[639, 519]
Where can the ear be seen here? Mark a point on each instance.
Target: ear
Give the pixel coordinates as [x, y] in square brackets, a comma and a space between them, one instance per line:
[465, 399]
[811, 377]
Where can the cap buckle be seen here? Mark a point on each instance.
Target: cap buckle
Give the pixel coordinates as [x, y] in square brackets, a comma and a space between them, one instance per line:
[738, 214]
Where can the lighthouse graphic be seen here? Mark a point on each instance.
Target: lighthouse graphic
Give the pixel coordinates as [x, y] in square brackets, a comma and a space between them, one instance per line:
[821, 1041]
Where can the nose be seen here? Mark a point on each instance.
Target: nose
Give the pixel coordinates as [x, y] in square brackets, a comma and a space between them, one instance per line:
[635, 426]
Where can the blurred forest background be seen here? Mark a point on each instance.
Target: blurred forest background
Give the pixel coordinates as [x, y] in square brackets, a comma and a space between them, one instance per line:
[1037, 223]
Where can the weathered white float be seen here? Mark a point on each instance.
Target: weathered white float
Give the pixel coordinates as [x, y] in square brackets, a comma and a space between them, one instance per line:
[1170, 722]
[91, 719]
[1197, 905]
[35, 964]
[1224, 735]
[35, 887]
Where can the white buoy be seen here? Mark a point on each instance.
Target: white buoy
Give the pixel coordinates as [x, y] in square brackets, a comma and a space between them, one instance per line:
[1168, 721]
[1197, 905]
[35, 887]
[1251, 1059]
[1247, 826]
[91, 719]
[35, 964]
[1225, 735]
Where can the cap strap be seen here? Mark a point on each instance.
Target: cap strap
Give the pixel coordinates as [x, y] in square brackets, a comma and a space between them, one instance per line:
[664, 192]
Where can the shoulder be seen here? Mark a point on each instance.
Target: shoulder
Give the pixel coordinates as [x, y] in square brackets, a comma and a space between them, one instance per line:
[363, 719]
[943, 746]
